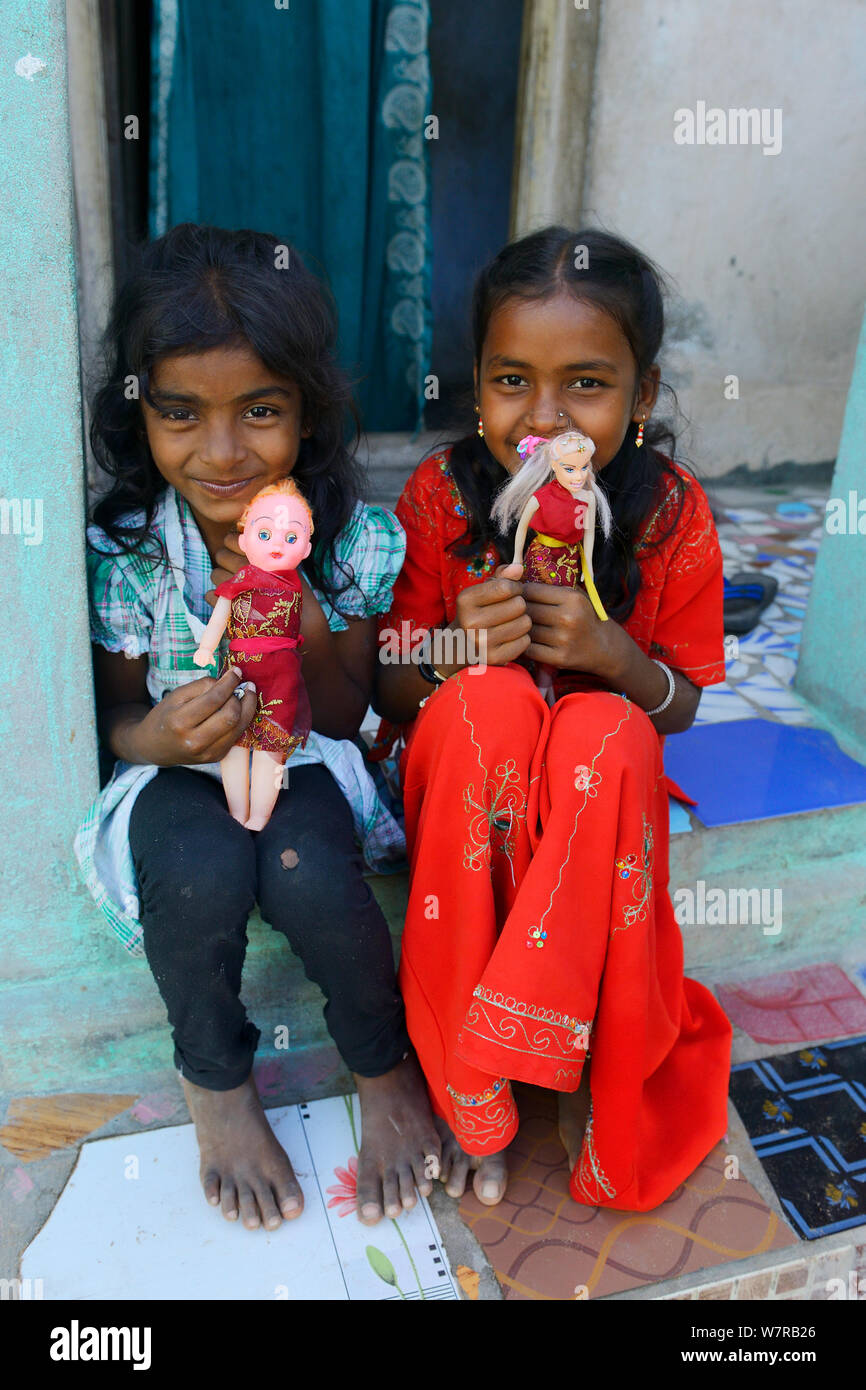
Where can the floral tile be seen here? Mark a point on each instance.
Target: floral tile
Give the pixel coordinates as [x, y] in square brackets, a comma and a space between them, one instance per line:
[805, 1113]
[544, 1245]
[132, 1223]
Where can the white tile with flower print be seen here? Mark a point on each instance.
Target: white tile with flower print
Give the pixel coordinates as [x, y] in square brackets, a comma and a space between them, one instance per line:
[132, 1223]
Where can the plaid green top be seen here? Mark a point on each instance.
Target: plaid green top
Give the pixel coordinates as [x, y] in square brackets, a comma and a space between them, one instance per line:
[155, 607]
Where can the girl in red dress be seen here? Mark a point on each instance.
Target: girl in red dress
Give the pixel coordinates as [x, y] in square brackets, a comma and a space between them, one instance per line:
[540, 942]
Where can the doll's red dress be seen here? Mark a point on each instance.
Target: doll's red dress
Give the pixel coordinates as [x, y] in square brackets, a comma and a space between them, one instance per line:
[561, 518]
[264, 632]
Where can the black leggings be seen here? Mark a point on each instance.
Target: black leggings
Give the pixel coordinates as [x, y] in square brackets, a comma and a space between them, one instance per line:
[199, 874]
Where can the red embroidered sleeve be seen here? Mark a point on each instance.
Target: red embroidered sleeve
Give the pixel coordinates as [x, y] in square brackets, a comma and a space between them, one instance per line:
[417, 595]
[688, 631]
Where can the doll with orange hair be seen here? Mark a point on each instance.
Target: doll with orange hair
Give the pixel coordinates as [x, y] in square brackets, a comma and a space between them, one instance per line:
[261, 608]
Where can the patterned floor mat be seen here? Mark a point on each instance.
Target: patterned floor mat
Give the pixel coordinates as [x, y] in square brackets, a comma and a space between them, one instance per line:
[805, 1113]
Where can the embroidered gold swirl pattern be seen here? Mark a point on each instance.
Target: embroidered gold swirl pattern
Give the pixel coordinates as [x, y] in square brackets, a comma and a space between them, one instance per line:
[589, 1169]
[511, 1023]
[493, 1123]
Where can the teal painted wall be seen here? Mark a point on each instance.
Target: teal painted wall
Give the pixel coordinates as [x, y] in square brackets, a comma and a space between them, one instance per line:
[46, 718]
[831, 673]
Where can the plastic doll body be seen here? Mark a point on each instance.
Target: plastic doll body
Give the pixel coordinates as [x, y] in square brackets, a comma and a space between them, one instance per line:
[562, 513]
[261, 607]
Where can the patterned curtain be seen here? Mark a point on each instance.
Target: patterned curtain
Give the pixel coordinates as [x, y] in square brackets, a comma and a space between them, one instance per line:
[307, 119]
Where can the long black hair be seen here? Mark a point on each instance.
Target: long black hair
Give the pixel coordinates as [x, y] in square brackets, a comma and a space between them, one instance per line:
[199, 288]
[625, 284]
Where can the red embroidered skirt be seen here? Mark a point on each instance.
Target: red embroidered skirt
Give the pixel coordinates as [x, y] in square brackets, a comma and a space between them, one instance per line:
[540, 925]
[282, 720]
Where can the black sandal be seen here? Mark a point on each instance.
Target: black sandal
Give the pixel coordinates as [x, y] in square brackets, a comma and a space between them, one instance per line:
[746, 596]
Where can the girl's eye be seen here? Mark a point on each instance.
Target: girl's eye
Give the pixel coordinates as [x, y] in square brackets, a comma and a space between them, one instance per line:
[264, 534]
[587, 382]
[179, 415]
[511, 379]
[267, 409]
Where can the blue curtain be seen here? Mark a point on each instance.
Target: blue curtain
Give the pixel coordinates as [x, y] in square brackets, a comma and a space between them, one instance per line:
[307, 119]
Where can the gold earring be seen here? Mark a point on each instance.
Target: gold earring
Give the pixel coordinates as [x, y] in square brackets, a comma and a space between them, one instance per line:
[480, 430]
[639, 437]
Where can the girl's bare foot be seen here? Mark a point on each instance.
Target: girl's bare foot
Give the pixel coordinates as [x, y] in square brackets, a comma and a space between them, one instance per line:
[400, 1147]
[573, 1115]
[490, 1172]
[244, 1169]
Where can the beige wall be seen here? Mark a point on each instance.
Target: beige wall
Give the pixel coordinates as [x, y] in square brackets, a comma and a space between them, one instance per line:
[767, 250]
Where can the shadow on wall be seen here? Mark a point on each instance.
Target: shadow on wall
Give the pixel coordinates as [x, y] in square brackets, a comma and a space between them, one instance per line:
[475, 65]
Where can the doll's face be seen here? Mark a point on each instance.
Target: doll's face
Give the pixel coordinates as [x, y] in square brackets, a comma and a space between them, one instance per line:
[572, 470]
[277, 533]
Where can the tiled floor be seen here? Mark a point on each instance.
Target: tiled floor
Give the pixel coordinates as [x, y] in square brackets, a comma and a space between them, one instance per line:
[132, 1224]
[756, 769]
[806, 1005]
[543, 1245]
[805, 1113]
[779, 537]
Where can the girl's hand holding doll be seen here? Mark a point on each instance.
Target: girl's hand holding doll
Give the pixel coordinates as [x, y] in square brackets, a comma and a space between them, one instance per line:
[198, 723]
[498, 609]
[566, 632]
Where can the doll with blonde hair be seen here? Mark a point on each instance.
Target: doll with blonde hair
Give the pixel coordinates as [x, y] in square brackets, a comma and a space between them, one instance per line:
[555, 493]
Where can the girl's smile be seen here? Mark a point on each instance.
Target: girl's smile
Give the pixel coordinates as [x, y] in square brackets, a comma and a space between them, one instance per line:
[560, 354]
[225, 489]
[221, 427]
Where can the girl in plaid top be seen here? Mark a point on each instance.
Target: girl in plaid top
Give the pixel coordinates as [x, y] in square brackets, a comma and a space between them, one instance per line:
[222, 380]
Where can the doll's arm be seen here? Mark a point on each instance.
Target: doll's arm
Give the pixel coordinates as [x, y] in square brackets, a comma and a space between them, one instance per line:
[213, 632]
[522, 527]
[588, 530]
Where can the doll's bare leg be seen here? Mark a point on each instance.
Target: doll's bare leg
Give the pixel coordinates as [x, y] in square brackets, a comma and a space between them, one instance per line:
[265, 786]
[544, 681]
[235, 769]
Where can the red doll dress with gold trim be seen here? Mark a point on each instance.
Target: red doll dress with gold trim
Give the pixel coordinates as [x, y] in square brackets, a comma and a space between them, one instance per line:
[264, 632]
[560, 518]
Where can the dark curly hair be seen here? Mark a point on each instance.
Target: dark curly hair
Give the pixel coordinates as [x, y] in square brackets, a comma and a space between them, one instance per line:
[199, 288]
[625, 284]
